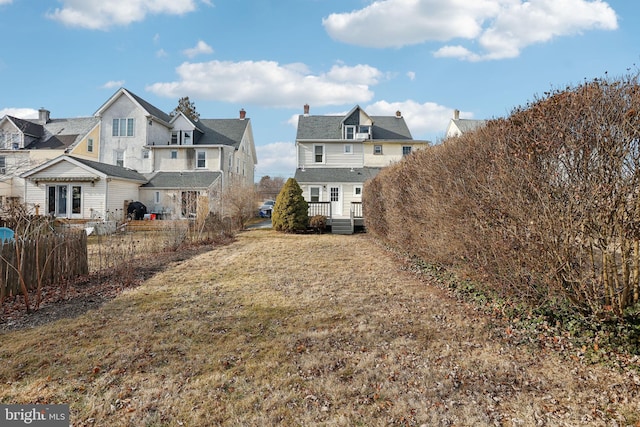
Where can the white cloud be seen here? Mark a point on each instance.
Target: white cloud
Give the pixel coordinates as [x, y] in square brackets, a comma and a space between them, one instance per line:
[411, 75]
[201, 48]
[269, 83]
[113, 84]
[161, 53]
[501, 28]
[21, 113]
[276, 159]
[5, 2]
[104, 14]
[422, 119]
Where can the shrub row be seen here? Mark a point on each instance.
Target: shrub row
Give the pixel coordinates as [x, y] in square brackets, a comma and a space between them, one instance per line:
[541, 205]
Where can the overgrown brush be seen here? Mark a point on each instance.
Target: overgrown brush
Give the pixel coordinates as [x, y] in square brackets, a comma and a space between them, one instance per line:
[543, 204]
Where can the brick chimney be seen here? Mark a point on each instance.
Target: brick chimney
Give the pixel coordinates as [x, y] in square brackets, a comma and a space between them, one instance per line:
[306, 109]
[398, 114]
[456, 114]
[243, 114]
[43, 115]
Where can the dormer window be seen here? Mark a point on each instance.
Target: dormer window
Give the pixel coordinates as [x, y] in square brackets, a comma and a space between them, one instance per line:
[349, 132]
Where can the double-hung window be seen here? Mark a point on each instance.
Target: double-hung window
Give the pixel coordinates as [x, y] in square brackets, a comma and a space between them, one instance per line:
[315, 194]
[3, 165]
[318, 153]
[118, 157]
[90, 145]
[406, 150]
[201, 159]
[349, 132]
[122, 127]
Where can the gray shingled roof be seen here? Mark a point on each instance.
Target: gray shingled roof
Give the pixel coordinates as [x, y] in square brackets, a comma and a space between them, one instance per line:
[356, 175]
[185, 180]
[151, 109]
[467, 125]
[27, 127]
[221, 131]
[63, 133]
[328, 127]
[112, 170]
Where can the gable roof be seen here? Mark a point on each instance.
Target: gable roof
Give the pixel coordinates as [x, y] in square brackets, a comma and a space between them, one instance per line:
[151, 110]
[26, 126]
[355, 175]
[330, 127]
[221, 131]
[56, 134]
[184, 180]
[102, 169]
[465, 125]
[64, 133]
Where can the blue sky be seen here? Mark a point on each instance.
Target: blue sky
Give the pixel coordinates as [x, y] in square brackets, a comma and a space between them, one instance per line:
[270, 57]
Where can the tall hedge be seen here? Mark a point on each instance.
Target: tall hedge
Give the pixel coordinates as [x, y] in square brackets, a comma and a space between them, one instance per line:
[542, 204]
[291, 212]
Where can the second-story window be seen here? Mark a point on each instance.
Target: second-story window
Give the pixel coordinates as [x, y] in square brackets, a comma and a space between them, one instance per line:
[90, 145]
[318, 153]
[174, 154]
[174, 138]
[123, 127]
[3, 165]
[118, 157]
[377, 149]
[201, 160]
[349, 132]
[348, 148]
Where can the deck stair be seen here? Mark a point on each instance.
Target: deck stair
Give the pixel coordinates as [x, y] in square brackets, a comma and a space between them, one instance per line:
[341, 226]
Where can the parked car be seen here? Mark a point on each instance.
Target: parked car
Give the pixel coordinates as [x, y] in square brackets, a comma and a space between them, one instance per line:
[266, 208]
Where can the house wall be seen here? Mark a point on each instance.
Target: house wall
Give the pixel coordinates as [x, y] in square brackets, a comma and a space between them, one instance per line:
[93, 203]
[186, 159]
[81, 150]
[118, 191]
[132, 146]
[391, 152]
[335, 156]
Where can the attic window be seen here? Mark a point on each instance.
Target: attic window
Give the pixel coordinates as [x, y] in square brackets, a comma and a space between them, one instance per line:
[349, 132]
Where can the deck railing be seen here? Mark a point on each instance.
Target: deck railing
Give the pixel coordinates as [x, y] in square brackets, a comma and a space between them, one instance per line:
[356, 209]
[319, 208]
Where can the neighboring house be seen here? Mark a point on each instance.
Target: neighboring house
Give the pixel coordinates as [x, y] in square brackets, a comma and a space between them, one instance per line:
[179, 168]
[337, 154]
[130, 125]
[458, 126]
[199, 159]
[25, 144]
[76, 188]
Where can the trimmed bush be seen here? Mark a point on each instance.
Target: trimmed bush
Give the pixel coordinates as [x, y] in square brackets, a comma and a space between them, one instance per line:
[318, 223]
[290, 213]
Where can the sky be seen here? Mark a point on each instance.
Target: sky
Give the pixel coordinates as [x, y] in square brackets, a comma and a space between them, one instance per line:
[425, 58]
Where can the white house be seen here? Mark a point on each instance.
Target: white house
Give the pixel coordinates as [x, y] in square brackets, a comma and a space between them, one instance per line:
[175, 164]
[337, 154]
[458, 126]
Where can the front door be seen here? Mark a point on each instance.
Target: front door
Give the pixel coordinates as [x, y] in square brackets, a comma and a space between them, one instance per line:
[335, 195]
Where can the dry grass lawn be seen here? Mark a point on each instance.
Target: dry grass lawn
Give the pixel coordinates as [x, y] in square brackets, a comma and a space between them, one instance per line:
[299, 330]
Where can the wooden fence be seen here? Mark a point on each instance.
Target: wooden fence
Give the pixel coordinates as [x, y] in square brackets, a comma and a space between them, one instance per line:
[40, 262]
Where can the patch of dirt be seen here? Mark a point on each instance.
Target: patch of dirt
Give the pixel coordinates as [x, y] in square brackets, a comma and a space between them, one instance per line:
[89, 292]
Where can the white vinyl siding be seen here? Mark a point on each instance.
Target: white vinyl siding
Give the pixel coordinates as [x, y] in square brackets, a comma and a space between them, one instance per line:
[333, 155]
